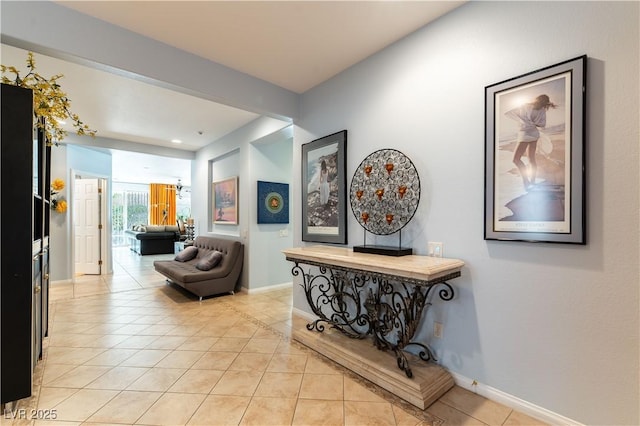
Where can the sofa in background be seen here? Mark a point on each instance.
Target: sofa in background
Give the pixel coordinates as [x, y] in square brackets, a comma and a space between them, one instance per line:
[153, 239]
[223, 278]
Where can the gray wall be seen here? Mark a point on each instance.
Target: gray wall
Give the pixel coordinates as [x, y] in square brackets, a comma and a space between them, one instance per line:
[554, 325]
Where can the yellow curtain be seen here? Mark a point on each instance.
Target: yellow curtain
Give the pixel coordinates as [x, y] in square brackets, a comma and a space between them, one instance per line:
[162, 204]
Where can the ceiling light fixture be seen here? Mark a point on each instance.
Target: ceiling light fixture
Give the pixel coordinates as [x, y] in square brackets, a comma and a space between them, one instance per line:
[176, 141]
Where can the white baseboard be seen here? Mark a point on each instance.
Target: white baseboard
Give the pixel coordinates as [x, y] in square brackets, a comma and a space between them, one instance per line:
[511, 401]
[60, 282]
[267, 288]
[303, 314]
[490, 393]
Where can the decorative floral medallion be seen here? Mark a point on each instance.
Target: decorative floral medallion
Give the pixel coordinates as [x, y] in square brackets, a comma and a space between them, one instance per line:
[274, 202]
[385, 192]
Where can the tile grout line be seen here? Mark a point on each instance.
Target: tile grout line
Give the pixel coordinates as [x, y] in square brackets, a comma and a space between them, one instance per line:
[284, 337]
[387, 396]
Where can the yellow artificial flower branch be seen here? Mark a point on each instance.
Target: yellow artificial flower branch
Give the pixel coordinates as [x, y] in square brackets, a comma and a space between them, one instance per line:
[57, 185]
[49, 101]
[58, 204]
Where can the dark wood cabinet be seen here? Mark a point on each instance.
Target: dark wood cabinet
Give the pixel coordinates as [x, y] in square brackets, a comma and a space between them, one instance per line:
[44, 189]
[45, 294]
[24, 202]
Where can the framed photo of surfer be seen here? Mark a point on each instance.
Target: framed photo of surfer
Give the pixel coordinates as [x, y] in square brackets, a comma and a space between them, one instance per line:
[324, 189]
[535, 155]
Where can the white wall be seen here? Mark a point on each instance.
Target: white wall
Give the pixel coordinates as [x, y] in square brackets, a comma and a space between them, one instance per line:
[59, 229]
[555, 325]
[222, 168]
[65, 160]
[90, 41]
[82, 39]
[270, 160]
[230, 157]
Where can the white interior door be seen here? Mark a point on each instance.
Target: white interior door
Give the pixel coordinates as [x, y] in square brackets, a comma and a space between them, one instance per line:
[86, 226]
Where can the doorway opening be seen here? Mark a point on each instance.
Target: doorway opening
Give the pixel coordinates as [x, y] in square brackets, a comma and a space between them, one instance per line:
[89, 233]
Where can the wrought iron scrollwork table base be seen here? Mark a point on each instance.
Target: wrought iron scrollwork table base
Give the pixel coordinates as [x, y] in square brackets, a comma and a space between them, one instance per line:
[361, 294]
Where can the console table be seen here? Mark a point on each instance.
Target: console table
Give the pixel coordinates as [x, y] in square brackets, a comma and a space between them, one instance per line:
[363, 294]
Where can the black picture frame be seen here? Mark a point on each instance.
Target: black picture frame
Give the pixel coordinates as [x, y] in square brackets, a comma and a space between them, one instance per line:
[324, 208]
[542, 200]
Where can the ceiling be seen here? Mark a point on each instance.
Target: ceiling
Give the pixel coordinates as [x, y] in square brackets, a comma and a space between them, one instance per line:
[293, 44]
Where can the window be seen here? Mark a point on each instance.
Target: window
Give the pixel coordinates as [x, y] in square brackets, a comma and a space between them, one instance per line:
[129, 207]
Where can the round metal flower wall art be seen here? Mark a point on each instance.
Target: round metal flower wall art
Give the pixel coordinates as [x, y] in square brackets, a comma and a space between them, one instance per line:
[385, 192]
[58, 203]
[51, 106]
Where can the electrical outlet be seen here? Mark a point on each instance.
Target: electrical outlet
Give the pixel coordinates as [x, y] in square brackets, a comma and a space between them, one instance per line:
[437, 330]
[434, 249]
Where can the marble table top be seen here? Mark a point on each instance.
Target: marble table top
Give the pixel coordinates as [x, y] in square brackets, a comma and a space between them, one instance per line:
[415, 267]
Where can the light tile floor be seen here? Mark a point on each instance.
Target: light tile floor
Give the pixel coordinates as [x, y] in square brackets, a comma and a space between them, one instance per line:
[128, 348]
